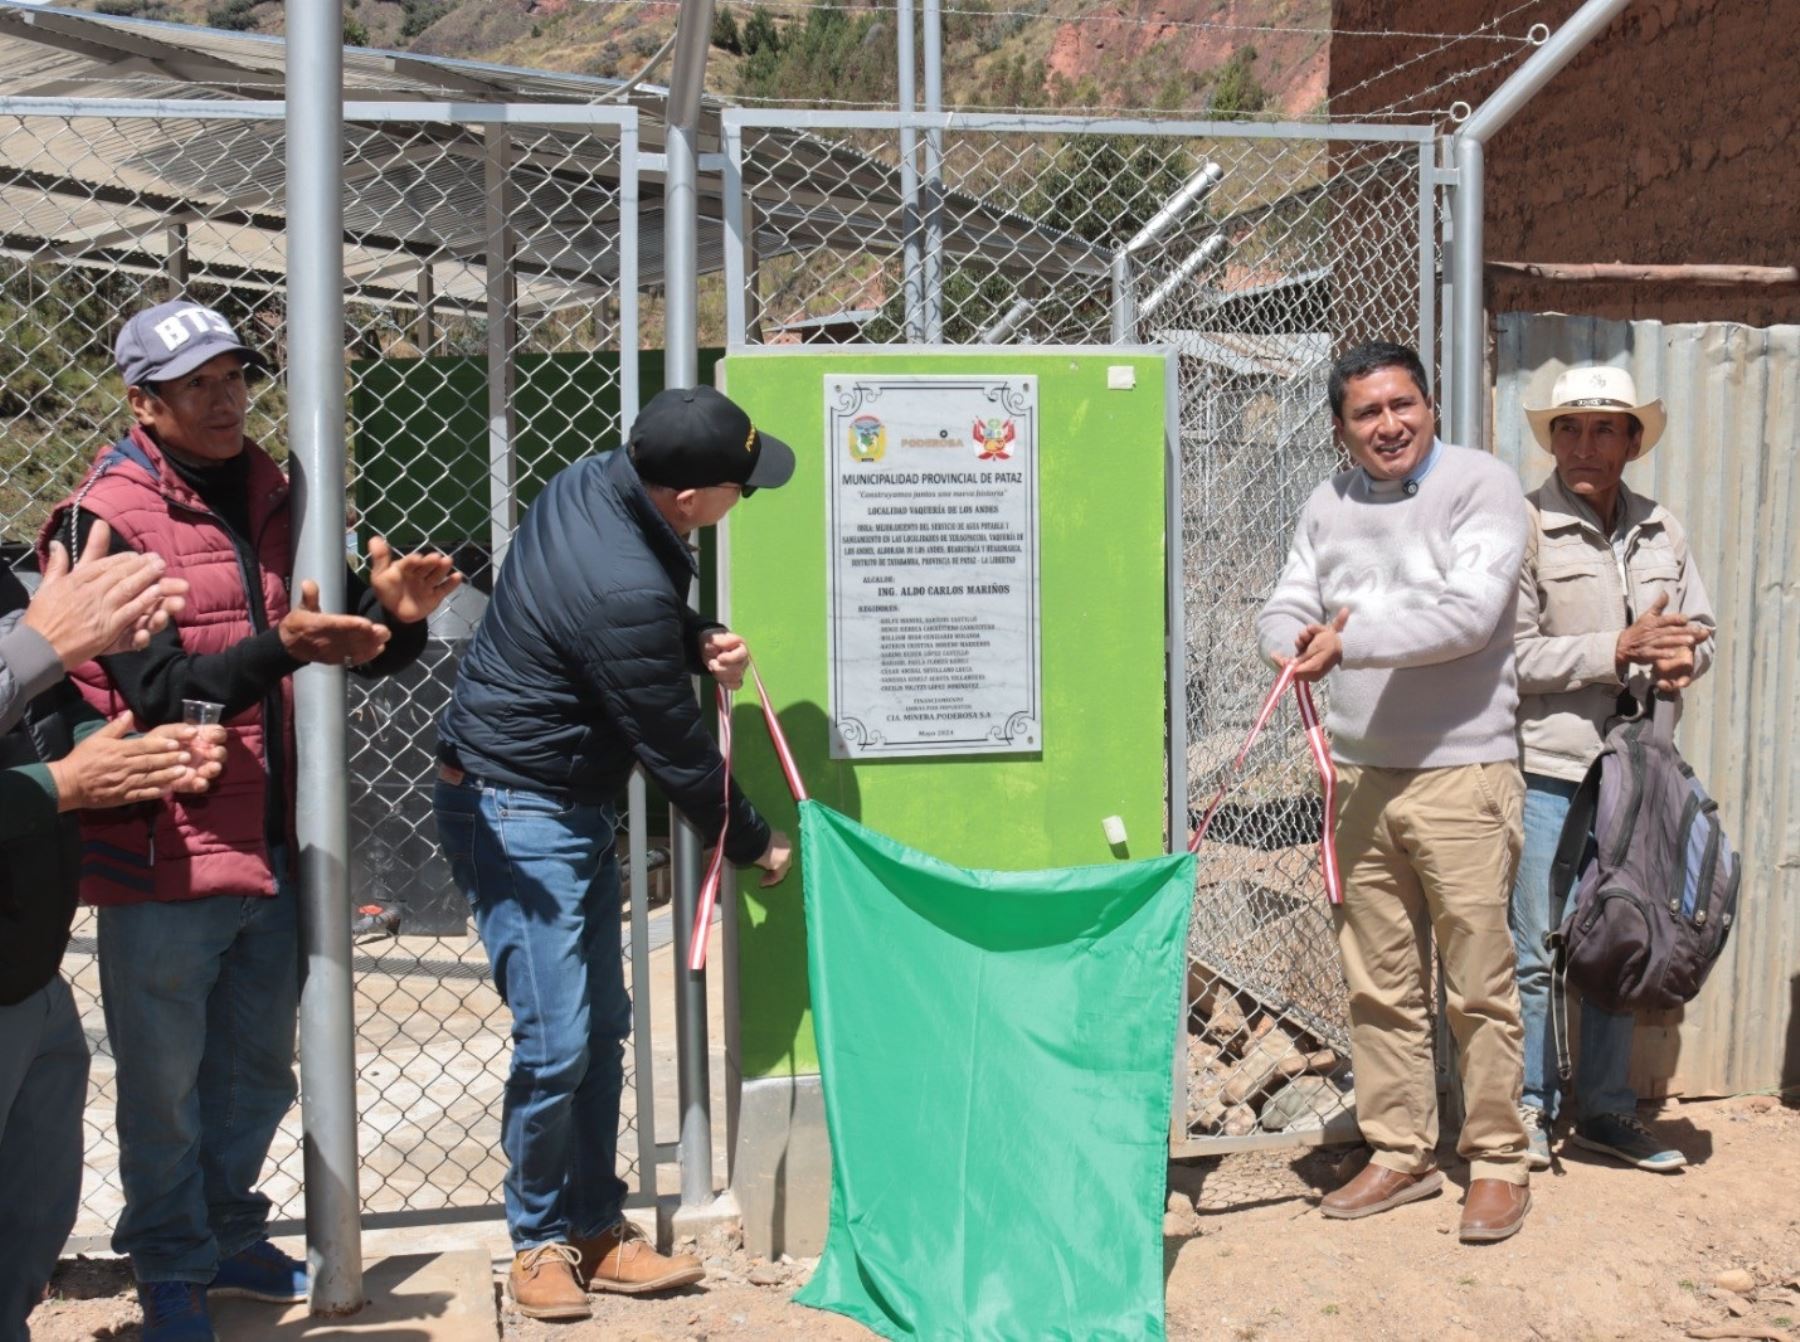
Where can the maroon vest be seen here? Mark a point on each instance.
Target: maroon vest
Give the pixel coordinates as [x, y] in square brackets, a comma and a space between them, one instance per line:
[187, 847]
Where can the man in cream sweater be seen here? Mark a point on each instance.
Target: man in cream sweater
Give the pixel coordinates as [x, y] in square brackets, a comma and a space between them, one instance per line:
[1402, 580]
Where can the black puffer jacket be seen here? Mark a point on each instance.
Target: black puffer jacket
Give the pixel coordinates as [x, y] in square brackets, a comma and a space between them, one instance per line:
[40, 850]
[582, 665]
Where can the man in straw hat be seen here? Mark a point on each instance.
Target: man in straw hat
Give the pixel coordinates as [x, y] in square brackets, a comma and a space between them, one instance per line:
[1610, 604]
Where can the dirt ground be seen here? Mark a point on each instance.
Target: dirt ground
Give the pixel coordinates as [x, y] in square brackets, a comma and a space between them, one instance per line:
[1608, 1253]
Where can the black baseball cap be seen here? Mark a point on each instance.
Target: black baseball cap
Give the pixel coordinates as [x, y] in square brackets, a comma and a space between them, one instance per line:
[695, 437]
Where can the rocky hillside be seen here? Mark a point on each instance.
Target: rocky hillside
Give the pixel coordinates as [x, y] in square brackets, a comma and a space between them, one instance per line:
[1228, 56]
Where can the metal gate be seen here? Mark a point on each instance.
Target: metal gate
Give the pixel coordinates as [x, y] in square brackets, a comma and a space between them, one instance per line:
[491, 335]
[1256, 251]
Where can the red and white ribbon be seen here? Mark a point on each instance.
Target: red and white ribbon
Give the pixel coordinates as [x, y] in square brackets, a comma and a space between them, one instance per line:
[1321, 754]
[715, 869]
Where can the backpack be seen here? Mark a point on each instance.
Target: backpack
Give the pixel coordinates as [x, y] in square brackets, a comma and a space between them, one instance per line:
[1653, 878]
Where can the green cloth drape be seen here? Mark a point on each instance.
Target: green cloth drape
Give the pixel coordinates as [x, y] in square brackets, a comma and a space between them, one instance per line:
[997, 1051]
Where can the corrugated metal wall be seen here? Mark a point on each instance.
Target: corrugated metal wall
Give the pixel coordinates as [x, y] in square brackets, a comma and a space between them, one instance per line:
[1729, 468]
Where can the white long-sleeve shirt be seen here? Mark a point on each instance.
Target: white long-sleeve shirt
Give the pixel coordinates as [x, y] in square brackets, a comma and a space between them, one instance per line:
[1430, 581]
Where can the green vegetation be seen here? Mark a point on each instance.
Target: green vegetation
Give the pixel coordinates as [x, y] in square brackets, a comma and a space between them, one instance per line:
[1236, 92]
[833, 49]
[233, 15]
[725, 35]
[420, 15]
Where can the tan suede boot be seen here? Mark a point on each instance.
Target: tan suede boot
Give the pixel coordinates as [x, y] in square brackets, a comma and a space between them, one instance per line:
[622, 1260]
[543, 1283]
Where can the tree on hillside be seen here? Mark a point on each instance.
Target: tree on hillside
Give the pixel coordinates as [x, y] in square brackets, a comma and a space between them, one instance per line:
[836, 51]
[1236, 92]
[725, 35]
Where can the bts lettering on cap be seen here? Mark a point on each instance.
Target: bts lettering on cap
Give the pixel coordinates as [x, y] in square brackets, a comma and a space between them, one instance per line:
[176, 330]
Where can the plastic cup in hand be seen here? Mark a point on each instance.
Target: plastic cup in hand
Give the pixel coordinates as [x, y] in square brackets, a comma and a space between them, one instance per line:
[201, 712]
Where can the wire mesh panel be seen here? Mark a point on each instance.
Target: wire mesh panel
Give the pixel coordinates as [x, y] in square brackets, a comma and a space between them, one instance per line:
[490, 338]
[1256, 254]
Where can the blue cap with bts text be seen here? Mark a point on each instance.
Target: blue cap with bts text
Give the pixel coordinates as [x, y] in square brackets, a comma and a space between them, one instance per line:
[172, 339]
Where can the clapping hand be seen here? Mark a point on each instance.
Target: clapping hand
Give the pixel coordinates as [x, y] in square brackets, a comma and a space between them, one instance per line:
[105, 604]
[310, 635]
[203, 753]
[410, 587]
[1664, 643]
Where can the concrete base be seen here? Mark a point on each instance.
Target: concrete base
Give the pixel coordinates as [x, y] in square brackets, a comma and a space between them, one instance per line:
[721, 1216]
[782, 1174]
[444, 1297]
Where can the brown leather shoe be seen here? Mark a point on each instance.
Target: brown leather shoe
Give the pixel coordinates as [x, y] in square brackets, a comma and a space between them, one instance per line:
[1379, 1189]
[1493, 1210]
[622, 1260]
[543, 1285]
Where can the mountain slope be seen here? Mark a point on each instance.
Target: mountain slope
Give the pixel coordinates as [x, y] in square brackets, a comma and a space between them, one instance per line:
[1234, 56]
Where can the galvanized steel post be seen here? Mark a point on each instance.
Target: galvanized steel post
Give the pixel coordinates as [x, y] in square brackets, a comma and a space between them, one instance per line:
[912, 270]
[934, 174]
[1124, 300]
[681, 356]
[315, 255]
[1469, 417]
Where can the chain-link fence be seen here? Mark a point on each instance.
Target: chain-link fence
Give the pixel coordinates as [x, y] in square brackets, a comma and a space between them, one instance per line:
[490, 338]
[491, 320]
[1256, 253]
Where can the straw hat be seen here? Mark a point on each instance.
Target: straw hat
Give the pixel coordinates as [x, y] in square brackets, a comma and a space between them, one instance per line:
[1598, 389]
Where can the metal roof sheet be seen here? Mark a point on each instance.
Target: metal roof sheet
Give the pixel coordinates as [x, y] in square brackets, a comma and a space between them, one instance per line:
[106, 190]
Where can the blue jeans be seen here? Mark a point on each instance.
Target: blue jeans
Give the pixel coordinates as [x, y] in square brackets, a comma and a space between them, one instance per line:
[542, 877]
[43, 1086]
[201, 1000]
[1605, 1048]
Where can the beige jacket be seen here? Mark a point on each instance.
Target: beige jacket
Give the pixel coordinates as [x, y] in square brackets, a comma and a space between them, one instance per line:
[1570, 614]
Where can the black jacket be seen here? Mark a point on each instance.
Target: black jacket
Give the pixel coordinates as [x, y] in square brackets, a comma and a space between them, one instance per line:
[582, 665]
[40, 850]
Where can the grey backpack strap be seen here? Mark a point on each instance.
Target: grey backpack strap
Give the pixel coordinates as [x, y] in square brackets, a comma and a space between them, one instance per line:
[1662, 714]
[1577, 830]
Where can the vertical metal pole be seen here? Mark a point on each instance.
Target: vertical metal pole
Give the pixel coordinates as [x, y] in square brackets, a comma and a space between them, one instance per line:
[502, 336]
[1447, 389]
[643, 1081]
[315, 252]
[1427, 258]
[731, 1000]
[629, 335]
[1469, 330]
[1124, 300]
[934, 174]
[1175, 589]
[753, 327]
[737, 234]
[177, 263]
[681, 357]
[1470, 334]
[636, 801]
[912, 287]
[425, 334]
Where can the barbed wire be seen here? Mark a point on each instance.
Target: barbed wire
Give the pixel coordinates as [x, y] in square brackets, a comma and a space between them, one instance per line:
[1404, 108]
[1138, 113]
[1438, 50]
[1094, 16]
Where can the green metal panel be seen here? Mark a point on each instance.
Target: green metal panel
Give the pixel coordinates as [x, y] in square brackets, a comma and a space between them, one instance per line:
[1101, 491]
[421, 448]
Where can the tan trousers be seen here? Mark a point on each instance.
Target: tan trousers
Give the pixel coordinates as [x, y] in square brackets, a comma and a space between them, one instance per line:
[1424, 851]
